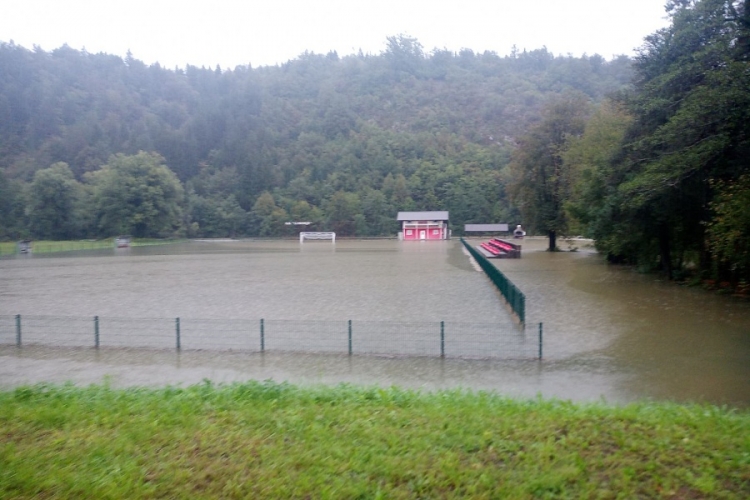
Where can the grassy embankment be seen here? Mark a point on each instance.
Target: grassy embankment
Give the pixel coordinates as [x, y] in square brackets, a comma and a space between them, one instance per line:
[265, 440]
[11, 247]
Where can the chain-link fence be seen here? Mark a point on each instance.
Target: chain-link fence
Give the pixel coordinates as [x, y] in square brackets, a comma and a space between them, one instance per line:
[435, 338]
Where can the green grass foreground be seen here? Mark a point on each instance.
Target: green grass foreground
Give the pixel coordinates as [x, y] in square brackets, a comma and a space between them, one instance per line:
[269, 440]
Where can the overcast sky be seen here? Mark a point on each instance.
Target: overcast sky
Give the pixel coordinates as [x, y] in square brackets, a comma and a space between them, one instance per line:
[268, 32]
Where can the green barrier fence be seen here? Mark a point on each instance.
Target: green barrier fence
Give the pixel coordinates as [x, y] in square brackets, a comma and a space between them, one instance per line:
[447, 339]
[515, 297]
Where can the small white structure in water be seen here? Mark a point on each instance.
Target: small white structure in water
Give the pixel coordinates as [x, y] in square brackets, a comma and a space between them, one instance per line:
[305, 235]
[122, 242]
[24, 246]
[518, 232]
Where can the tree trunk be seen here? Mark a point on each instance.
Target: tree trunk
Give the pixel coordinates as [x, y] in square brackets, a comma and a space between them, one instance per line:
[552, 241]
[665, 250]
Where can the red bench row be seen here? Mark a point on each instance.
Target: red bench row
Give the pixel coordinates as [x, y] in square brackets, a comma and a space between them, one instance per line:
[501, 245]
[491, 249]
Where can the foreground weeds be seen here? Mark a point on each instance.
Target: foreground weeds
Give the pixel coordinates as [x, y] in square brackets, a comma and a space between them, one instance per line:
[268, 440]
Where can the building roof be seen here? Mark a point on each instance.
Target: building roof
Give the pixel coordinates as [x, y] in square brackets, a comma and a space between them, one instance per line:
[486, 227]
[422, 216]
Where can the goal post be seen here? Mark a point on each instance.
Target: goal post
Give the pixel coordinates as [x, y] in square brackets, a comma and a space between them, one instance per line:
[306, 235]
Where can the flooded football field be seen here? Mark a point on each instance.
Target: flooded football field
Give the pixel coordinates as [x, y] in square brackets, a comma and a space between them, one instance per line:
[609, 332]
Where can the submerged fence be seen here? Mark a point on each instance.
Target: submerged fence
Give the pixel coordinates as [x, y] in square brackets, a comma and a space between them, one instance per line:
[515, 297]
[437, 338]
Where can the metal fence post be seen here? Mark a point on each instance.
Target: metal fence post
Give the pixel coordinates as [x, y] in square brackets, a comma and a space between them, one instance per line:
[350, 337]
[177, 331]
[18, 330]
[442, 339]
[540, 340]
[96, 332]
[262, 336]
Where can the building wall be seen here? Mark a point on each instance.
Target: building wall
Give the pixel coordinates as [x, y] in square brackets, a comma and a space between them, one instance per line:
[433, 230]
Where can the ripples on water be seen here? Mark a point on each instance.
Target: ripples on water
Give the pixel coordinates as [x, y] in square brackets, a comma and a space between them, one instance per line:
[609, 332]
[372, 280]
[663, 340]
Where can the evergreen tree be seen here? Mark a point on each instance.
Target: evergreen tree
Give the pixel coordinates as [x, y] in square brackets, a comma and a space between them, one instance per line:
[691, 109]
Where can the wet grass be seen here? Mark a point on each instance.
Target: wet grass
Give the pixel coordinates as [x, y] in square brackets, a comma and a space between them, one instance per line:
[268, 440]
[44, 246]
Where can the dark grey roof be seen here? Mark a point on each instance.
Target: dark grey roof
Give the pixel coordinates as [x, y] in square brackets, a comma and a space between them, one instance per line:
[422, 216]
[486, 227]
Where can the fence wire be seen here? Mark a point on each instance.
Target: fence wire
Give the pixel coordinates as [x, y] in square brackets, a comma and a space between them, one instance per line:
[7, 329]
[388, 338]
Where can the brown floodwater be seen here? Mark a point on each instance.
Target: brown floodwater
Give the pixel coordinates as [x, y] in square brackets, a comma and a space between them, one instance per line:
[609, 332]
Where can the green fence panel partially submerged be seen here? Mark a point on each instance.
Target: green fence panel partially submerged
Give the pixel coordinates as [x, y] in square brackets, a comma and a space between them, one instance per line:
[515, 297]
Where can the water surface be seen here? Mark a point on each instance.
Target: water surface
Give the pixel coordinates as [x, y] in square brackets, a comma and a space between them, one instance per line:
[610, 333]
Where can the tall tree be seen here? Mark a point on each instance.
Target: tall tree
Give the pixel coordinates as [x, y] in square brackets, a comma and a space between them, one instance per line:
[12, 209]
[342, 210]
[729, 229]
[542, 181]
[378, 214]
[589, 159]
[137, 194]
[53, 198]
[691, 109]
[215, 217]
[268, 219]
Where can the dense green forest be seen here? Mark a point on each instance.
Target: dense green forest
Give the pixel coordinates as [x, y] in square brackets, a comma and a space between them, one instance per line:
[92, 145]
[649, 155]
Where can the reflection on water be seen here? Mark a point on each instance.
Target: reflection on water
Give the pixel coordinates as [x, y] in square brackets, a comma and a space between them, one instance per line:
[360, 280]
[664, 340]
[124, 367]
[609, 332]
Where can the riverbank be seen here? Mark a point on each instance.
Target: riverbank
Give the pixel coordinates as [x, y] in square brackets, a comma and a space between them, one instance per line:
[37, 247]
[269, 440]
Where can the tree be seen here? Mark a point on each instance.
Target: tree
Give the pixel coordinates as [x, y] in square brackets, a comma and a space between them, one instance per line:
[138, 195]
[217, 217]
[341, 211]
[379, 214]
[302, 211]
[405, 54]
[53, 201]
[268, 218]
[588, 159]
[396, 189]
[12, 201]
[728, 232]
[541, 179]
[691, 126]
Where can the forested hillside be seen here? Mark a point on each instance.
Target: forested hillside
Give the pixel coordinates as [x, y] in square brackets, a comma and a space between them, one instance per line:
[660, 175]
[92, 145]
